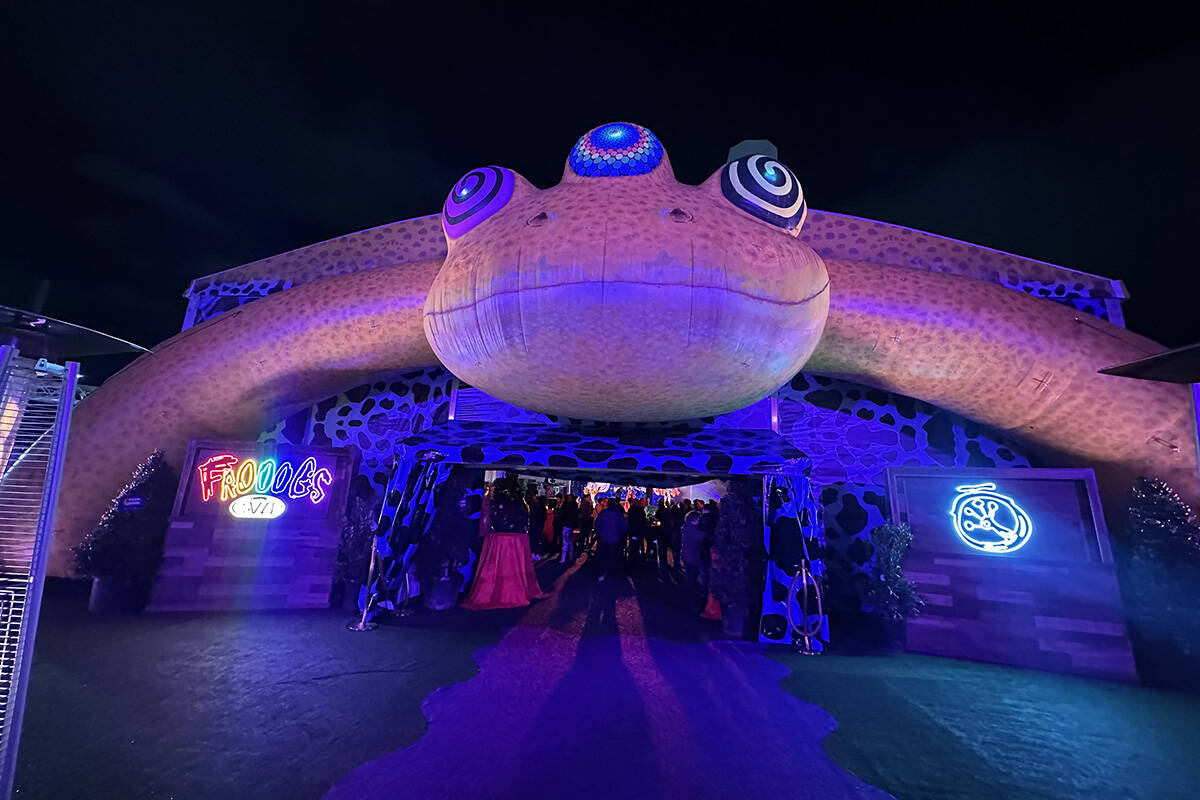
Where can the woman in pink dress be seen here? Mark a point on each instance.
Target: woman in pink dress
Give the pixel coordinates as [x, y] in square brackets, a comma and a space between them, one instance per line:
[505, 577]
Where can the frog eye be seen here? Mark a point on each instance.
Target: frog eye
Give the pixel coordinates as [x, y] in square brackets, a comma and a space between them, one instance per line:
[764, 188]
[477, 195]
[616, 149]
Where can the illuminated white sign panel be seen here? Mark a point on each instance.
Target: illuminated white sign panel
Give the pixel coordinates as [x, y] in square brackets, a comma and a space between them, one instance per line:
[257, 506]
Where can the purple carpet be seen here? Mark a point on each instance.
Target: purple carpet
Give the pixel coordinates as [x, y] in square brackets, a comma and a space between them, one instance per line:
[603, 692]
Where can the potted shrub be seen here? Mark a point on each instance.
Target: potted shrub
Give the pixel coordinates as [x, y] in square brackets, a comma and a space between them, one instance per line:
[890, 597]
[740, 513]
[1158, 560]
[123, 552]
[354, 547]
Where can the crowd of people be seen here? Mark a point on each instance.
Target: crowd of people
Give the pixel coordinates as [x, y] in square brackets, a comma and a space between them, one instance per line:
[672, 539]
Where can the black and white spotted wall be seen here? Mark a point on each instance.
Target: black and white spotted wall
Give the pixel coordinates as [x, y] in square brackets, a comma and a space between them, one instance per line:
[851, 512]
[217, 298]
[1076, 295]
[851, 433]
[372, 417]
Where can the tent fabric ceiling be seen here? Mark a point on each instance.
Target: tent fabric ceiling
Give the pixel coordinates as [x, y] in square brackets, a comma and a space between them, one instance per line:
[656, 480]
[1181, 365]
[661, 457]
[40, 336]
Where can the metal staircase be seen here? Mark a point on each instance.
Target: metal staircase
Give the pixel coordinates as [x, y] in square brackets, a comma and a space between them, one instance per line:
[36, 398]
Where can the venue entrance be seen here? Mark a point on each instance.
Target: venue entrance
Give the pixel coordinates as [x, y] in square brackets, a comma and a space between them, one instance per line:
[655, 514]
[439, 471]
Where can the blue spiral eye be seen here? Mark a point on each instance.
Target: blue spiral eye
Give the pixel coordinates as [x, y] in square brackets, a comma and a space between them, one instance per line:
[477, 195]
[616, 149]
[766, 189]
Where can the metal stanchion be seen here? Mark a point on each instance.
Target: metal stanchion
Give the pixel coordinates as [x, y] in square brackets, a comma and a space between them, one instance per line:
[363, 624]
[808, 630]
[405, 611]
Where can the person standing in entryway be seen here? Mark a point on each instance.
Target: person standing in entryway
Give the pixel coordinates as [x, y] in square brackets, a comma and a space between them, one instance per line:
[566, 517]
[611, 526]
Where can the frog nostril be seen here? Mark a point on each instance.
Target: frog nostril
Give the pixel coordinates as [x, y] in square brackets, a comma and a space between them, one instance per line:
[538, 220]
[679, 215]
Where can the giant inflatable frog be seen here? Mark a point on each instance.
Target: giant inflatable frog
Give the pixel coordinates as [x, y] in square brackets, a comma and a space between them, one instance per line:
[711, 289]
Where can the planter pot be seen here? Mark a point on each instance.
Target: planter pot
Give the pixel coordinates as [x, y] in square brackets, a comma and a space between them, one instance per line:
[111, 595]
[443, 593]
[344, 596]
[892, 635]
[733, 622]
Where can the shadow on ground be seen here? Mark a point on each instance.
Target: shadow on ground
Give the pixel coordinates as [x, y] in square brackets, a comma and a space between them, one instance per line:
[614, 689]
[265, 705]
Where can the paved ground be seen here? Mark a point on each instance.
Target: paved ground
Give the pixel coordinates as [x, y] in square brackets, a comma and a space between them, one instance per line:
[270, 706]
[601, 692]
[926, 728]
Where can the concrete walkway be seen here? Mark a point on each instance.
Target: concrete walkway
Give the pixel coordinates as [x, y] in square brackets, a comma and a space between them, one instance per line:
[601, 691]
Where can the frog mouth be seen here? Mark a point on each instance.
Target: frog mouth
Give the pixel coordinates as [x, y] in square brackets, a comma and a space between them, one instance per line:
[601, 285]
[602, 279]
[495, 307]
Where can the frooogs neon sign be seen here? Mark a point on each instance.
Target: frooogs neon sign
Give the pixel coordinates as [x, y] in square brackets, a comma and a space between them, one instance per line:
[256, 488]
[989, 521]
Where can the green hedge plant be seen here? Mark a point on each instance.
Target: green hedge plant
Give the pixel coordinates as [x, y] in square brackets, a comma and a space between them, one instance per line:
[127, 543]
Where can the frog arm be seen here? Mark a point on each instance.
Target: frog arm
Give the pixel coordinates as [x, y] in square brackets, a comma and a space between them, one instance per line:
[234, 376]
[1014, 362]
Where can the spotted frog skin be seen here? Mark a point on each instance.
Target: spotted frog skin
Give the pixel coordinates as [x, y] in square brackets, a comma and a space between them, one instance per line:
[627, 296]
[623, 294]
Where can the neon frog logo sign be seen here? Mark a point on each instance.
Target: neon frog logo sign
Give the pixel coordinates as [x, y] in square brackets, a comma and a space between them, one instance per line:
[255, 489]
[989, 521]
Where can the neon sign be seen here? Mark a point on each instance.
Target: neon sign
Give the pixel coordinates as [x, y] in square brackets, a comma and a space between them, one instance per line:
[989, 521]
[256, 488]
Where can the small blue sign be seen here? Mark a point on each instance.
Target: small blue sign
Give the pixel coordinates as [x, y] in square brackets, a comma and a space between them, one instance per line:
[129, 503]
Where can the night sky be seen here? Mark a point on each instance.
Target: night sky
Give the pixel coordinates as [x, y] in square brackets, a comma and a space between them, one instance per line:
[148, 144]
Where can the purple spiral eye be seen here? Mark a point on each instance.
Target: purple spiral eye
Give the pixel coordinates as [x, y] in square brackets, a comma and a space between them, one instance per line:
[477, 195]
[764, 188]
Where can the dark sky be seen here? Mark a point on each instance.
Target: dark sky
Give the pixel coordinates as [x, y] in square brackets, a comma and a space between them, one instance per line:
[149, 143]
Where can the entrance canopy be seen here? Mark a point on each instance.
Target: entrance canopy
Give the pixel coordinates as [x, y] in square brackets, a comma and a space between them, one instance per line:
[642, 456]
[661, 457]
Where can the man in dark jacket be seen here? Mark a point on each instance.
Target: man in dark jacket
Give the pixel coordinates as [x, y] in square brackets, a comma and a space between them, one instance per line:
[566, 517]
[537, 522]
[694, 554]
[638, 527]
[611, 526]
